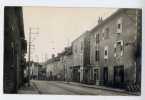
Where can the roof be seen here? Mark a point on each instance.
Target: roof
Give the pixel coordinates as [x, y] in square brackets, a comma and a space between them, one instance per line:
[83, 34]
[119, 11]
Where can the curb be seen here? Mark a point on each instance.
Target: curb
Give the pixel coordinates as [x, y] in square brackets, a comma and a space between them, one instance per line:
[36, 88]
[29, 91]
[119, 91]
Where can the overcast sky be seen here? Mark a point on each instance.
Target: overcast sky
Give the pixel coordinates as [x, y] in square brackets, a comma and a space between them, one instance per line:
[58, 27]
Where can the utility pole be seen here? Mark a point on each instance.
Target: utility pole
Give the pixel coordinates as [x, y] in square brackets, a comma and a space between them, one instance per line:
[29, 56]
[29, 53]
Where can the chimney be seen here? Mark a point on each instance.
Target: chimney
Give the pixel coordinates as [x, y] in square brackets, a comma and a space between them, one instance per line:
[100, 20]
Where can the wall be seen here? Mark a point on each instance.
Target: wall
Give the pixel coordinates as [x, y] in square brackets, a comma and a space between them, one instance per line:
[128, 36]
[13, 55]
[56, 68]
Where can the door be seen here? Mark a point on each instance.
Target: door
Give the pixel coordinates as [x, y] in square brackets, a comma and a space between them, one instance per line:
[76, 75]
[118, 76]
[86, 76]
[96, 76]
[105, 75]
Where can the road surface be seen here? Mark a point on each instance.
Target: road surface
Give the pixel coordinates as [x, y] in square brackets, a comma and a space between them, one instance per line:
[61, 88]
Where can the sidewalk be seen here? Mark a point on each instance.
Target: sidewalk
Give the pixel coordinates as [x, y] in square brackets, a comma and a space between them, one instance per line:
[28, 90]
[104, 88]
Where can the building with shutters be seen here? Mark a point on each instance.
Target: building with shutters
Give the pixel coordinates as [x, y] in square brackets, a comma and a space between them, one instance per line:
[81, 58]
[115, 49]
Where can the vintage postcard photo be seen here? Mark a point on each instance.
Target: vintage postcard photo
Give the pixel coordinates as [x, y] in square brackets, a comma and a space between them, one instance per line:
[72, 51]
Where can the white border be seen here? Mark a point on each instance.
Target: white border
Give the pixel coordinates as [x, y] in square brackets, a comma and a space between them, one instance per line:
[72, 3]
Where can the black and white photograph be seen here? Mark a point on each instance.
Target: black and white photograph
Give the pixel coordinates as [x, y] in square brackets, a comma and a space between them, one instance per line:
[72, 50]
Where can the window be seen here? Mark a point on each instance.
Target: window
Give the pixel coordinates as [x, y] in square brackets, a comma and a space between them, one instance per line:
[118, 48]
[119, 25]
[97, 55]
[115, 50]
[81, 46]
[106, 33]
[97, 38]
[75, 49]
[103, 34]
[106, 52]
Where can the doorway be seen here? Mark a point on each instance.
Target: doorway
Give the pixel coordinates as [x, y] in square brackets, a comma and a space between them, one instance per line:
[105, 75]
[118, 76]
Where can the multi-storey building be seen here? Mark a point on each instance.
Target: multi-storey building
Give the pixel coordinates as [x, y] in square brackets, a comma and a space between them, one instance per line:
[15, 47]
[81, 60]
[59, 67]
[55, 69]
[35, 70]
[67, 59]
[113, 48]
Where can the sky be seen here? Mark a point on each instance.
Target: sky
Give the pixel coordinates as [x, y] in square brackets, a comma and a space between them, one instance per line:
[57, 27]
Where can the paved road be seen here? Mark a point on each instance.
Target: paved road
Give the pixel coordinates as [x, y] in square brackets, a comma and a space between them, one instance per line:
[61, 88]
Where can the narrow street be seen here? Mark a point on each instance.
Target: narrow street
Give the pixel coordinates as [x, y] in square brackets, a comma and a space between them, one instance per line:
[91, 51]
[61, 88]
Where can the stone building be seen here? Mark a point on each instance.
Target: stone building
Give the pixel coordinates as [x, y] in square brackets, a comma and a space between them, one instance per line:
[15, 47]
[81, 58]
[34, 70]
[41, 72]
[60, 67]
[113, 48]
[67, 59]
[55, 69]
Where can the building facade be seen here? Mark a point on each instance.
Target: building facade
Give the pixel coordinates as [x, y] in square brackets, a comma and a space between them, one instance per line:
[55, 69]
[15, 47]
[60, 67]
[67, 59]
[81, 55]
[108, 55]
[35, 70]
[113, 49]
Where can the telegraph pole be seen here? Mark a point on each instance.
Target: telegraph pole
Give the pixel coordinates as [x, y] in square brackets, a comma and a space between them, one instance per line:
[29, 53]
[29, 56]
